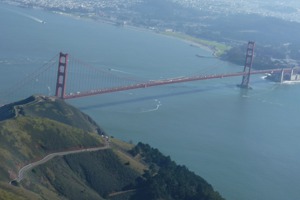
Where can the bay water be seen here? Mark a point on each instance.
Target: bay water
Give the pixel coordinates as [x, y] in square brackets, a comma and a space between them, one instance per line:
[245, 143]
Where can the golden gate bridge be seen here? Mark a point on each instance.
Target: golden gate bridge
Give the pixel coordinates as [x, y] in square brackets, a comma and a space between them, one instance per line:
[85, 80]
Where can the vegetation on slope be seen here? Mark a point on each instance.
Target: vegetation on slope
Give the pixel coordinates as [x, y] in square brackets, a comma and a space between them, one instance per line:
[266, 57]
[9, 111]
[167, 180]
[26, 138]
[75, 176]
[103, 175]
[9, 192]
[218, 48]
[39, 125]
[50, 108]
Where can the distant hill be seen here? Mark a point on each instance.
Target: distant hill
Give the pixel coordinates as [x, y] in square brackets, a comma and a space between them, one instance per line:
[38, 126]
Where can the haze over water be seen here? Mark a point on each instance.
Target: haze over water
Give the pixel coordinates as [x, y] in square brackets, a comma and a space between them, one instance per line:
[245, 143]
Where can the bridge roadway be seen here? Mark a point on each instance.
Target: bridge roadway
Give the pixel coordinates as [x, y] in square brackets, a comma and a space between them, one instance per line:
[168, 81]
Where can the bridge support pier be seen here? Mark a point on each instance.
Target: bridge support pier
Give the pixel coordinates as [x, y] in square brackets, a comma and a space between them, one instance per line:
[282, 76]
[248, 65]
[61, 76]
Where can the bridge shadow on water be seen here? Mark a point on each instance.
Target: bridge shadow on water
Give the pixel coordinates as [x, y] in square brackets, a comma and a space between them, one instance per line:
[243, 92]
[167, 95]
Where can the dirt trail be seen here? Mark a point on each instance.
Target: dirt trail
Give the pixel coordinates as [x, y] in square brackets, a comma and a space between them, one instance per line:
[30, 166]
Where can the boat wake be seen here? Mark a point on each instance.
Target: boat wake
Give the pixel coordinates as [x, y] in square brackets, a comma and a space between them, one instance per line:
[36, 19]
[28, 16]
[117, 70]
[263, 77]
[158, 105]
[290, 82]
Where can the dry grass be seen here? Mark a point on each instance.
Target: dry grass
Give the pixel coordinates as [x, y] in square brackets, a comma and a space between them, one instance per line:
[121, 148]
[9, 192]
[125, 146]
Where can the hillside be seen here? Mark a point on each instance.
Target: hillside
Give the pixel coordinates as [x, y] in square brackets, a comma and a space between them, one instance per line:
[85, 165]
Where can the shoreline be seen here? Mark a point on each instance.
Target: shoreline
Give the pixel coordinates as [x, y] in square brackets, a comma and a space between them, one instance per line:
[216, 49]
[164, 33]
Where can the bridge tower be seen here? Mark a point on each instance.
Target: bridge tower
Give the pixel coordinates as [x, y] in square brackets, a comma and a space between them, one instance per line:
[248, 65]
[61, 76]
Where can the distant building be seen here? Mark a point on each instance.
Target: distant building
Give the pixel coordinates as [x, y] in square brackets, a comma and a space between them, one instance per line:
[169, 30]
[285, 75]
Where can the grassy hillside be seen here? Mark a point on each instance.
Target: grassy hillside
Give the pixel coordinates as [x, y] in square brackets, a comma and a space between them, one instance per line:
[37, 126]
[93, 175]
[9, 192]
[51, 108]
[108, 175]
[25, 136]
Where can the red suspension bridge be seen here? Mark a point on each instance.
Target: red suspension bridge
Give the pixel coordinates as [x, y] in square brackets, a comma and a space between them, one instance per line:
[73, 82]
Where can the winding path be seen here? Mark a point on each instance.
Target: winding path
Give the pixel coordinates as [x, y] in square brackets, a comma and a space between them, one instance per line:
[30, 166]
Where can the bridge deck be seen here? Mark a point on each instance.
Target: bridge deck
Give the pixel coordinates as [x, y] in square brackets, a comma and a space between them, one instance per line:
[167, 82]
